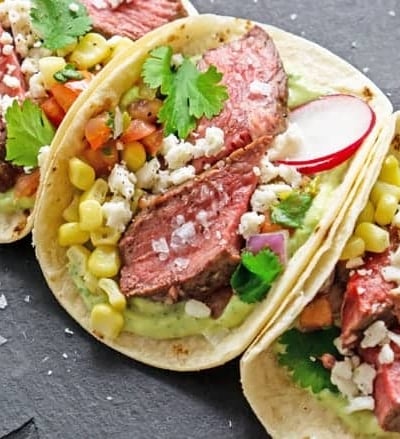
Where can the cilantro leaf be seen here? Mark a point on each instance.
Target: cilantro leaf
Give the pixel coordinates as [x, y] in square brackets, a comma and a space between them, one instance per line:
[255, 274]
[291, 211]
[157, 70]
[190, 93]
[67, 73]
[58, 24]
[28, 130]
[302, 350]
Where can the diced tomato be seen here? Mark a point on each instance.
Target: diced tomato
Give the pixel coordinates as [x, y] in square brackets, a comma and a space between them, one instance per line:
[137, 129]
[267, 226]
[97, 132]
[53, 111]
[64, 96]
[145, 109]
[153, 141]
[27, 184]
[102, 160]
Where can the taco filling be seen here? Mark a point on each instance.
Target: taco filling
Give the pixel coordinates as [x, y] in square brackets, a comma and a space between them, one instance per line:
[48, 56]
[183, 218]
[345, 347]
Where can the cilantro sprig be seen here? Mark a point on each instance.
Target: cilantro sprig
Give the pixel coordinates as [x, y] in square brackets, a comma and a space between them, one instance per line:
[291, 211]
[190, 94]
[59, 24]
[301, 353]
[255, 274]
[28, 130]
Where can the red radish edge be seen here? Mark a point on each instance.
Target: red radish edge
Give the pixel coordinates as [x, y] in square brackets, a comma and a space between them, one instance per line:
[328, 161]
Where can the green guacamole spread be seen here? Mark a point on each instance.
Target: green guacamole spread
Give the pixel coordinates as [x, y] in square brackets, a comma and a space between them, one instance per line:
[9, 203]
[301, 92]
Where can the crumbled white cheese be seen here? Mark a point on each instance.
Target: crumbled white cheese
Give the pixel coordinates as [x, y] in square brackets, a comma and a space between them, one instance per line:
[73, 7]
[122, 182]
[268, 170]
[341, 376]
[360, 403]
[286, 144]
[6, 38]
[395, 258]
[374, 335]
[117, 212]
[197, 309]
[43, 155]
[147, 174]
[183, 174]
[214, 141]
[177, 59]
[262, 198]
[179, 155]
[339, 346]
[391, 274]
[291, 175]
[37, 89]
[11, 81]
[354, 263]
[183, 235]
[202, 218]
[363, 377]
[8, 49]
[386, 354]
[250, 224]
[260, 88]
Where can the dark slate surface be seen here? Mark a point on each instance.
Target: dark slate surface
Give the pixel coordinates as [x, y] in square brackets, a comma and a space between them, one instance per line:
[57, 385]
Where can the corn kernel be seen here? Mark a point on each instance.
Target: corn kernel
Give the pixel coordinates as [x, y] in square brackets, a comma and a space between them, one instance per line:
[90, 215]
[367, 214]
[91, 282]
[385, 209]
[71, 234]
[98, 191]
[375, 238]
[354, 248]
[104, 261]
[390, 172]
[134, 155]
[81, 175]
[71, 212]
[64, 51]
[115, 297]
[105, 236]
[380, 188]
[78, 257]
[106, 321]
[92, 49]
[49, 65]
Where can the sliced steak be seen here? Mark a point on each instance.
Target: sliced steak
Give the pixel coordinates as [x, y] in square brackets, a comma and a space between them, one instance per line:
[186, 243]
[257, 86]
[366, 298]
[133, 19]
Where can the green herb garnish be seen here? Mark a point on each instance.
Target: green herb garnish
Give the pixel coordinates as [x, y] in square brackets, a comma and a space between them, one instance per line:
[190, 94]
[28, 129]
[302, 350]
[59, 22]
[67, 73]
[291, 211]
[255, 274]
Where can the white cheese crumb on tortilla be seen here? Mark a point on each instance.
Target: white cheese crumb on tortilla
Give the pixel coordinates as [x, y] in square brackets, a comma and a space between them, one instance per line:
[197, 309]
[360, 403]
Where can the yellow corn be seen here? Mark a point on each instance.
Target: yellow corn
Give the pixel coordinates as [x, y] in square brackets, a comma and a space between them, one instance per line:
[78, 256]
[64, 51]
[135, 199]
[115, 297]
[390, 172]
[354, 248]
[134, 155]
[92, 49]
[375, 238]
[106, 321]
[98, 191]
[81, 175]
[90, 215]
[385, 209]
[104, 236]
[71, 234]
[367, 215]
[380, 188]
[71, 213]
[48, 66]
[104, 261]
[91, 282]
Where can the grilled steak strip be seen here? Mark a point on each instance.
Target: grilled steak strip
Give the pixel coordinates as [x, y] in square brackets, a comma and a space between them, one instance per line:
[186, 243]
[257, 87]
[133, 19]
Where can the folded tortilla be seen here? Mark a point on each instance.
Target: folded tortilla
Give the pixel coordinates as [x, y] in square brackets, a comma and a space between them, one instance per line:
[285, 409]
[192, 36]
[15, 226]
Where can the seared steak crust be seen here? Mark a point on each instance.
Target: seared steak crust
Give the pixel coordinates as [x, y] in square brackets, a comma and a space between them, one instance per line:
[185, 244]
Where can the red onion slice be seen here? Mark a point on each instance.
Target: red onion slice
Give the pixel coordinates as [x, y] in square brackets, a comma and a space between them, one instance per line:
[276, 241]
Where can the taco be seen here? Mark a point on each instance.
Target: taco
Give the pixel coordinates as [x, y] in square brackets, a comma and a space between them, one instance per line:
[48, 56]
[329, 367]
[176, 251]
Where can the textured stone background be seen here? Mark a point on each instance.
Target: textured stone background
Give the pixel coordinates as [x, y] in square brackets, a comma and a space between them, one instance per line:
[59, 385]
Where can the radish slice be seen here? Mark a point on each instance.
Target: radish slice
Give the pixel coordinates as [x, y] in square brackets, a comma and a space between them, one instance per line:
[332, 128]
[276, 241]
